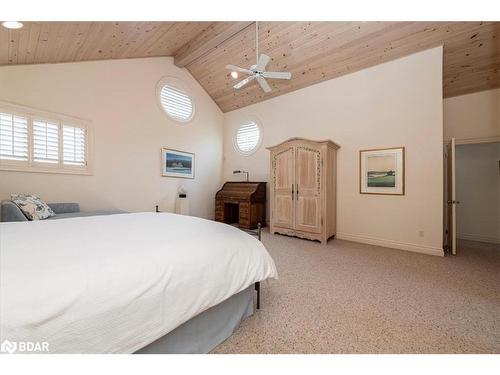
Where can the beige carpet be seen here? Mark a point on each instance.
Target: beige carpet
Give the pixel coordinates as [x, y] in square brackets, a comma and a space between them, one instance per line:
[353, 298]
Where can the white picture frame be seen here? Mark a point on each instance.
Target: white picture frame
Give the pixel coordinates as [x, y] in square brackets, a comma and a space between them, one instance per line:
[178, 164]
[382, 171]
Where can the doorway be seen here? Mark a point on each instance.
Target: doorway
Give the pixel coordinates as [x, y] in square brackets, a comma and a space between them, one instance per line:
[472, 195]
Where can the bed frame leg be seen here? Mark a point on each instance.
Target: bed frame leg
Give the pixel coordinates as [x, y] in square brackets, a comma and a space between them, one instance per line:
[257, 288]
[257, 284]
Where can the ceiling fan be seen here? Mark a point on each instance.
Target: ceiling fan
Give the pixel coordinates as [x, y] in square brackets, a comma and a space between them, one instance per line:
[257, 71]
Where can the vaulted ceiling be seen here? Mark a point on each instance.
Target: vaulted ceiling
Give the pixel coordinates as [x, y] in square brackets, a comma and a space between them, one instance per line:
[312, 51]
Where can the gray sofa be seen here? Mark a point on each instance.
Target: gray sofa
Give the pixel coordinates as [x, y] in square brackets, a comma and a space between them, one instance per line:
[11, 212]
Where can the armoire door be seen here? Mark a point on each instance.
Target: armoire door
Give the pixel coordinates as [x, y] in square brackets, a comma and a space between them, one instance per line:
[307, 189]
[283, 170]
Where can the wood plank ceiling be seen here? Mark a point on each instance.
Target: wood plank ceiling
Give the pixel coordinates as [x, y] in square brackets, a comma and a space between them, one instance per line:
[56, 42]
[312, 51]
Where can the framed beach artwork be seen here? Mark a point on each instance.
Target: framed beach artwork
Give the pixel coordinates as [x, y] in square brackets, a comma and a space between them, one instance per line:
[382, 171]
[177, 163]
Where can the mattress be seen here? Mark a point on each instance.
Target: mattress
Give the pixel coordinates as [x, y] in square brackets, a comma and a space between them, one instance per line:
[114, 284]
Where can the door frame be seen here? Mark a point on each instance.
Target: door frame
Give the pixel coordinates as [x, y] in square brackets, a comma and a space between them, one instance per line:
[474, 141]
[446, 233]
[463, 141]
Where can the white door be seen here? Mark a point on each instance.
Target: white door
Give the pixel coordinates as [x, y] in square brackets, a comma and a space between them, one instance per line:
[451, 232]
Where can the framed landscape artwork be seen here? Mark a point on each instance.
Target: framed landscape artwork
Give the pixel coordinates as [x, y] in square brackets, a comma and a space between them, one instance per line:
[177, 163]
[382, 171]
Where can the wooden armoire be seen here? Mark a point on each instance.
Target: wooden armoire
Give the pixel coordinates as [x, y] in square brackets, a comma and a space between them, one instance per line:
[303, 188]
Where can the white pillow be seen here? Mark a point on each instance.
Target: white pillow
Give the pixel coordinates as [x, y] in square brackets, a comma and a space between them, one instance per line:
[32, 206]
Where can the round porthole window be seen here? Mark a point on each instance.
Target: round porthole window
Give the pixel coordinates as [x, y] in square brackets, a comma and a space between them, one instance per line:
[175, 100]
[248, 137]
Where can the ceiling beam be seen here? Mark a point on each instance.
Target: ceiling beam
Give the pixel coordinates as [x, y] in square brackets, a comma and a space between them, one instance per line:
[216, 34]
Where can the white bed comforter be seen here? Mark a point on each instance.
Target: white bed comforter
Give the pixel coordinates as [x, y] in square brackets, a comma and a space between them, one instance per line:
[113, 284]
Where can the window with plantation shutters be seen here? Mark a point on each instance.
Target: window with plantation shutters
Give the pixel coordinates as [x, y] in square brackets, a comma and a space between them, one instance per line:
[38, 141]
[73, 145]
[13, 137]
[248, 137]
[45, 142]
[176, 103]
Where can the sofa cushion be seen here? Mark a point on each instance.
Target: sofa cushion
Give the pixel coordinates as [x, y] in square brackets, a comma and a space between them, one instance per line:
[63, 208]
[32, 206]
[70, 215]
[9, 211]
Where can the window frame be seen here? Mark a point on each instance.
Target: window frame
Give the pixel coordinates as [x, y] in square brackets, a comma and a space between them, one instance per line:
[30, 165]
[257, 122]
[180, 85]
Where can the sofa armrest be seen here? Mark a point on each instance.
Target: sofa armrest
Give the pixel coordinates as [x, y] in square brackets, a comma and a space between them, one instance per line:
[64, 208]
[11, 212]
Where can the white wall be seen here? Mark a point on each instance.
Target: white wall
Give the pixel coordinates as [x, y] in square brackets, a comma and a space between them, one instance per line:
[398, 103]
[129, 128]
[478, 190]
[394, 104]
[472, 116]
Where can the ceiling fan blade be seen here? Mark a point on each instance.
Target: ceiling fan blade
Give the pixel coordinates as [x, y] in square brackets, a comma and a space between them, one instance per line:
[244, 82]
[277, 75]
[238, 69]
[263, 60]
[263, 83]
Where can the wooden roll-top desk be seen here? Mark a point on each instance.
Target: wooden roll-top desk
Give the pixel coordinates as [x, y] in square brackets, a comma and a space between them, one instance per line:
[243, 203]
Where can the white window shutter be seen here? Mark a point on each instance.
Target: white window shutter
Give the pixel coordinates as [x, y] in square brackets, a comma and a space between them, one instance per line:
[176, 103]
[39, 141]
[74, 145]
[248, 137]
[45, 142]
[13, 137]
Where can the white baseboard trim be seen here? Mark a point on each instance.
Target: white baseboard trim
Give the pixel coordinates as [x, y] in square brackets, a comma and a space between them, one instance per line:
[391, 244]
[479, 238]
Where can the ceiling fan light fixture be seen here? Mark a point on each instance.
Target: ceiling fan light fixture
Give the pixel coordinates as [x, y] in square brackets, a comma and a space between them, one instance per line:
[234, 74]
[12, 24]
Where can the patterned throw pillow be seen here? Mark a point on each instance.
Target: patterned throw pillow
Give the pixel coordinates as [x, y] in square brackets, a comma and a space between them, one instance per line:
[32, 206]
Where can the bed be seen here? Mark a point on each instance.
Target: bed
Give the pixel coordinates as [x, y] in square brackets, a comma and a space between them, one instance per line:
[125, 283]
